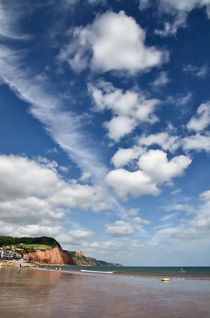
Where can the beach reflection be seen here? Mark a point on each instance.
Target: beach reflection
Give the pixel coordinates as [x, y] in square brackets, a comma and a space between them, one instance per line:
[52, 294]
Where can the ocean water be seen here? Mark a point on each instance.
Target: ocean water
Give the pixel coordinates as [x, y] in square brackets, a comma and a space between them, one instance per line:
[28, 293]
[185, 272]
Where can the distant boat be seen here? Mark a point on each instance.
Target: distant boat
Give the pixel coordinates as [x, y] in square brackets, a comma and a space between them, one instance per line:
[95, 272]
[165, 279]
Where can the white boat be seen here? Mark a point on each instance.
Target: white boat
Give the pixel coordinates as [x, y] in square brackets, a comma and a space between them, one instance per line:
[95, 272]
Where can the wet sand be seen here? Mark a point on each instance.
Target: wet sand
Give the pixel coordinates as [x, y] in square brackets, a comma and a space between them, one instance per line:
[28, 293]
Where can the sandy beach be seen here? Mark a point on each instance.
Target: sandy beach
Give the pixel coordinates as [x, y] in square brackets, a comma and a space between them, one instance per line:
[51, 294]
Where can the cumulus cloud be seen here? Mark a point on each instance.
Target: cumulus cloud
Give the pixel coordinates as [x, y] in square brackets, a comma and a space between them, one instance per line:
[125, 155]
[37, 230]
[156, 165]
[136, 183]
[41, 229]
[32, 191]
[75, 237]
[28, 210]
[129, 108]
[154, 169]
[29, 178]
[106, 45]
[202, 118]
[77, 195]
[119, 228]
[163, 139]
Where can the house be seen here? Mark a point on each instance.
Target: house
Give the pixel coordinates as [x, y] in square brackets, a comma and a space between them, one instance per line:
[9, 255]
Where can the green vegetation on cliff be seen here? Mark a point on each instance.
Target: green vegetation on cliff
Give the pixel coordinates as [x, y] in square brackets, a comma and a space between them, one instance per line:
[25, 245]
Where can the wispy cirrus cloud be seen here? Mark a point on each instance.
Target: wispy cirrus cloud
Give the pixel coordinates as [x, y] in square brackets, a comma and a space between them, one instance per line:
[64, 126]
[177, 10]
[198, 71]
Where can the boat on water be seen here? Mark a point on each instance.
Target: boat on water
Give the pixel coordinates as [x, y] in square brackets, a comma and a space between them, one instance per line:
[95, 272]
[165, 279]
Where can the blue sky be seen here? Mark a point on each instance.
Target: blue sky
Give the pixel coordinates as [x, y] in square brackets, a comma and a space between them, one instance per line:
[104, 125]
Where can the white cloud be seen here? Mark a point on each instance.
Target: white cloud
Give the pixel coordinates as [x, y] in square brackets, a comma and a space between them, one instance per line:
[138, 219]
[63, 126]
[106, 43]
[178, 207]
[119, 228]
[184, 100]
[136, 183]
[28, 210]
[75, 238]
[202, 118]
[133, 212]
[161, 80]
[172, 5]
[188, 231]
[124, 156]
[9, 17]
[41, 229]
[77, 195]
[163, 139]
[167, 142]
[28, 178]
[32, 191]
[37, 230]
[199, 71]
[86, 176]
[205, 196]
[196, 142]
[155, 169]
[119, 126]
[178, 11]
[156, 165]
[170, 28]
[129, 108]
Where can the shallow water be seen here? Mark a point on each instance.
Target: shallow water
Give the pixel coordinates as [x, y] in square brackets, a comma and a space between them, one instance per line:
[49, 294]
[185, 272]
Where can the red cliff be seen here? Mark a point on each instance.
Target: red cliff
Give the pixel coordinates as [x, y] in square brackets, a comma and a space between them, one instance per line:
[52, 256]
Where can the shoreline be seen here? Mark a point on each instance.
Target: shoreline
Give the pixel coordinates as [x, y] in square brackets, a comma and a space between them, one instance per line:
[78, 271]
[133, 275]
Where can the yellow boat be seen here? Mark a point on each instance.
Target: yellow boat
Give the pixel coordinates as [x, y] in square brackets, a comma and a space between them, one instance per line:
[165, 279]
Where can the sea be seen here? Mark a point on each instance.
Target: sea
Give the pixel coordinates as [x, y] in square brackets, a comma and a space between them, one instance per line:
[130, 292]
[176, 271]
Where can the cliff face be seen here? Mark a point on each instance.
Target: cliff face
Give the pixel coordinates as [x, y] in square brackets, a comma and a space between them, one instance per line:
[52, 256]
[80, 259]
